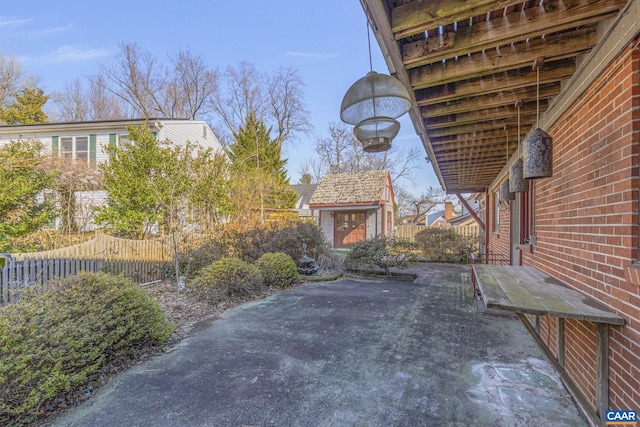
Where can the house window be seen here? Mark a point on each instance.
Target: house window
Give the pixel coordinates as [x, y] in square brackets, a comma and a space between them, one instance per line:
[496, 212]
[204, 131]
[74, 147]
[389, 221]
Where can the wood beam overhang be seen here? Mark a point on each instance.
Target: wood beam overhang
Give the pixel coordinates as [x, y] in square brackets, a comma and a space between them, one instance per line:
[496, 99]
[467, 62]
[551, 72]
[551, 17]
[555, 47]
[480, 116]
[526, 120]
[417, 17]
[457, 142]
[471, 211]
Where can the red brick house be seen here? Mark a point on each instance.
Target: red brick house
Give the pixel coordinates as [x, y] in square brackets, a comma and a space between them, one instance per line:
[482, 75]
[354, 206]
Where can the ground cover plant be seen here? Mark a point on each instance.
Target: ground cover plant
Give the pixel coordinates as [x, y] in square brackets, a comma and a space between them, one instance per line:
[54, 343]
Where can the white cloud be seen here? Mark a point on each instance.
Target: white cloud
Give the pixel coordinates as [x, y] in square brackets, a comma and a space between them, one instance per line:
[50, 30]
[6, 21]
[308, 55]
[69, 53]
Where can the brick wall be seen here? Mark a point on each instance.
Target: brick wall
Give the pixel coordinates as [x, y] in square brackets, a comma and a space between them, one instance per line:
[586, 223]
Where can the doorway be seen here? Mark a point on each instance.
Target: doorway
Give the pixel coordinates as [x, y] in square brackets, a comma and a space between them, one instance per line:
[349, 228]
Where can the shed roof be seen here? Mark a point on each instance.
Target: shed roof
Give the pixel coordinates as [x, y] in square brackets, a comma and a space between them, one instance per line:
[350, 188]
[305, 191]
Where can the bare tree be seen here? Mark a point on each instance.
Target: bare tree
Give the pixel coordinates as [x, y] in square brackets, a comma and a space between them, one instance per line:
[287, 111]
[193, 85]
[133, 79]
[182, 89]
[341, 152]
[276, 99]
[103, 105]
[71, 104]
[417, 206]
[12, 78]
[313, 167]
[78, 102]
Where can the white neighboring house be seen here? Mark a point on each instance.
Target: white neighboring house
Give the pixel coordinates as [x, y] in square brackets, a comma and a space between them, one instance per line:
[87, 141]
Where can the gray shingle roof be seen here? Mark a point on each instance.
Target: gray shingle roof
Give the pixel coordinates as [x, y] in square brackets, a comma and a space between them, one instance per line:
[349, 188]
[305, 191]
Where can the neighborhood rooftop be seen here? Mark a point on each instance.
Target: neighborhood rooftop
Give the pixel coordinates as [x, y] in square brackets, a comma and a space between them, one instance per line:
[346, 188]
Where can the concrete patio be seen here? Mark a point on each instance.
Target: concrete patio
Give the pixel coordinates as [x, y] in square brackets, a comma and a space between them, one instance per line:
[345, 353]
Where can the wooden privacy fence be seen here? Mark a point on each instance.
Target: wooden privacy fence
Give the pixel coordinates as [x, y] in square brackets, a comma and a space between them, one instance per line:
[408, 231]
[111, 249]
[140, 260]
[17, 275]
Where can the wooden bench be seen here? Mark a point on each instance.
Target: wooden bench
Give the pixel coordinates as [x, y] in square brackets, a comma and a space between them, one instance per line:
[527, 290]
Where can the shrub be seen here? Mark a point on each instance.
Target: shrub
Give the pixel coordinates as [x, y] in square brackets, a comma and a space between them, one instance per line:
[227, 278]
[192, 261]
[383, 252]
[54, 342]
[438, 244]
[366, 254]
[250, 243]
[278, 269]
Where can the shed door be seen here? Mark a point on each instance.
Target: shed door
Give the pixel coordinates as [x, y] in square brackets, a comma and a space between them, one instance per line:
[349, 228]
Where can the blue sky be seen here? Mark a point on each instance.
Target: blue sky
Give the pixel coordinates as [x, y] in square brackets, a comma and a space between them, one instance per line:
[326, 41]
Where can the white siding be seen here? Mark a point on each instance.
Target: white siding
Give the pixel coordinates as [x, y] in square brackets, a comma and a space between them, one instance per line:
[86, 201]
[326, 224]
[179, 132]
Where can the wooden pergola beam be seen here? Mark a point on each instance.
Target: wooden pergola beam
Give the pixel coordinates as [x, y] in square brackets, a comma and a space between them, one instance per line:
[515, 27]
[417, 17]
[471, 211]
[509, 57]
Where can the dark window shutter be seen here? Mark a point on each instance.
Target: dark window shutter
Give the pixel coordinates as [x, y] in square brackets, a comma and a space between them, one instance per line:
[112, 139]
[55, 150]
[92, 149]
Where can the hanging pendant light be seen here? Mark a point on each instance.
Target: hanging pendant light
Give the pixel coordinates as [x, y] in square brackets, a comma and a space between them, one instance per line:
[374, 95]
[372, 104]
[517, 183]
[505, 194]
[537, 147]
[376, 133]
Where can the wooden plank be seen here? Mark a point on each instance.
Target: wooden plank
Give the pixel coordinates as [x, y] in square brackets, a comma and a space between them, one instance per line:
[517, 294]
[419, 16]
[528, 290]
[495, 100]
[509, 57]
[532, 23]
[560, 341]
[520, 78]
[602, 369]
[584, 307]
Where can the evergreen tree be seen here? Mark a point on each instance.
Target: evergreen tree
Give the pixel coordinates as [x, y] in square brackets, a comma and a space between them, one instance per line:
[260, 174]
[23, 210]
[27, 108]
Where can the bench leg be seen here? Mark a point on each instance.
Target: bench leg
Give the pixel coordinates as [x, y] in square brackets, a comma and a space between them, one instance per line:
[560, 341]
[602, 369]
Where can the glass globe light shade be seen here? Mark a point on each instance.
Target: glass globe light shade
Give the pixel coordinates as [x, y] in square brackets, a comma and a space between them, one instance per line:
[374, 95]
[376, 133]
